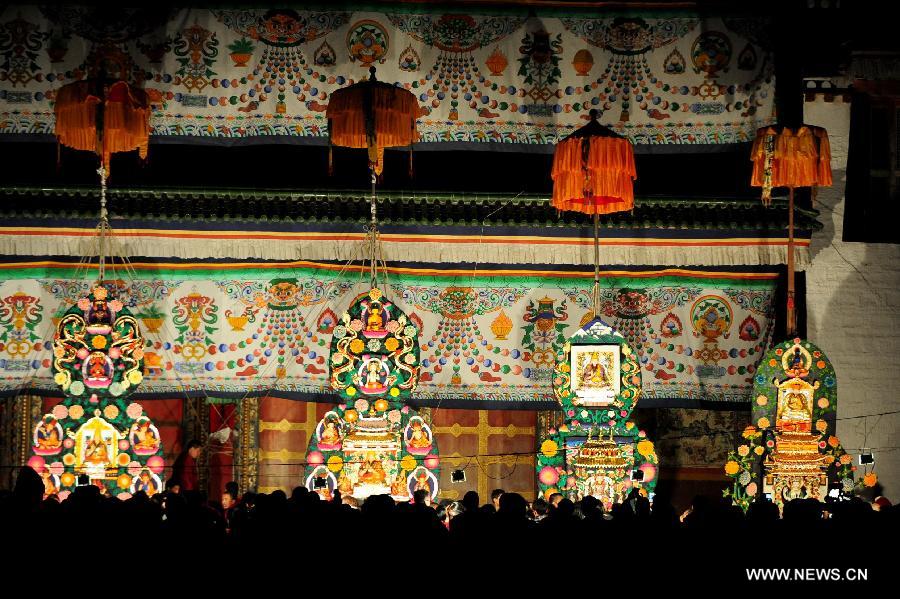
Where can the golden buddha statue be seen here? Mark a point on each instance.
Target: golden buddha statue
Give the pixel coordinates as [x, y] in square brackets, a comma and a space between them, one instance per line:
[794, 411]
[398, 487]
[418, 438]
[345, 485]
[422, 483]
[373, 375]
[371, 472]
[96, 451]
[375, 321]
[146, 438]
[330, 435]
[48, 435]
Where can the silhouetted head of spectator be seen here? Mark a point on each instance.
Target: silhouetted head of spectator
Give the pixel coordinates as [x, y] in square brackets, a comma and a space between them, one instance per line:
[539, 508]
[29, 489]
[421, 497]
[231, 487]
[564, 508]
[555, 498]
[496, 494]
[589, 505]
[513, 505]
[298, 493]
[471, 501]
[173, 486]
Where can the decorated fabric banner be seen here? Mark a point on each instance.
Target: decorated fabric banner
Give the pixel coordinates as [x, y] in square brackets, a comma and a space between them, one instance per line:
[486, 341]
[243, 73]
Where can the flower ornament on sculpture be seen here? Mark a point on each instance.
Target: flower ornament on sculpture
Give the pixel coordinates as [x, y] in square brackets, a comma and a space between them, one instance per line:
[98, 349]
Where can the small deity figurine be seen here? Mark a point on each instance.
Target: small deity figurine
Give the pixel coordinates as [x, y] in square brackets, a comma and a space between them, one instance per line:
[146, 484]
[48, 435]
[418, 437]
[422, 483]
[97, 366]
[96, 451]
[99, 313]
[345, 485]
[398, 487]
[146, 439]
[50, 487]
[375, 321]
[373, 376]
[594, 372]
[795, 409]
[371, 471]
[330, 435]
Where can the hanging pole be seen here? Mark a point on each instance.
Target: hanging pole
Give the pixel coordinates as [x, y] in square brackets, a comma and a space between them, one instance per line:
[104, 221]
[791, 317]
[373, 229]
[596, 292]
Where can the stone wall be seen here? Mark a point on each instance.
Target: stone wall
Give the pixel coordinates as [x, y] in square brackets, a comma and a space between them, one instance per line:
[853, 309]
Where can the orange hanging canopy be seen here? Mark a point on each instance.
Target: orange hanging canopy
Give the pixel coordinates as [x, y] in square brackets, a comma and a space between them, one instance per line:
[593, 171]
[373, 115]
[790, 158]
[126, 118]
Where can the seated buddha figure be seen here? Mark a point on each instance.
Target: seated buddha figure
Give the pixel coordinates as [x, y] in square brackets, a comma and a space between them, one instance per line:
[418, 438]
[375, 321]
[145, 437]
[96, 451]
[371, 472]
[330, 435]
[146, 484]
[48, 435]
[794, 413]
[345, 485]
[373, 375]
[422, 483]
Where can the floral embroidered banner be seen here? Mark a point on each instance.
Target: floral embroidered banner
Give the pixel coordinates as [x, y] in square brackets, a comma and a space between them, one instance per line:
[487, 341]
[245, 73]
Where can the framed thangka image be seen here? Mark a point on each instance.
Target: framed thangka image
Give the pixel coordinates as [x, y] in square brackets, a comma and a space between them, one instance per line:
[595, 374]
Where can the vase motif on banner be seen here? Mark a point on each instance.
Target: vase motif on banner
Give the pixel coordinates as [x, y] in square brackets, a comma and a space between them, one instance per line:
[20, 315]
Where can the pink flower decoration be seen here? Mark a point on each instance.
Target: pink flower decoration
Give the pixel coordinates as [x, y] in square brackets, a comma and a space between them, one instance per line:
[82, 353]
[68, 443]
[115, 305]
[57, 468]
[356, 325]
[315, 458]
[570, 482]
[432, 461]
[405, 409]
[649, 471]
[156, 464]
[94, 399]
[392, 326]
[552, 430]
[624, 413]
[823, 402]
[115, 353]
[124, 496]
[60, 411]
[570, 413]
[84, 304]
[751, 489]
[361, 405]
[642, 434]
[134, 468]
[548, 476]
[134, 410]
[123, 444]
[37, 462]
[63, 495]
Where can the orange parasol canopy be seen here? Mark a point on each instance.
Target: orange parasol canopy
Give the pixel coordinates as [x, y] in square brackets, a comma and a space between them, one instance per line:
[373, 115]
[593, 171]
[786, 157]
[125, 118]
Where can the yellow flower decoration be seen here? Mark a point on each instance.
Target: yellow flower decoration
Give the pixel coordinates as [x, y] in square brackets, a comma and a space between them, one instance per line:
[564, 367]
[549, 448]
[335, 463]
[629, 425]
[351, 391]
[135, 377]
[76, 412]
[821, 425]
[743, 450]
[758, 450]
[645, 448]
[833, 441]
[357, 346]
[111, 411]
[395, 392]
[67, 479]
[750, 432]
[870, 479]
[829, 459]
[123, 459]
[762, 400]
[98, 342]
[408, 462]
[763, 422]
[69, 459]
[59, 378]
[124, 481]
[731, 468]
[846, 459]
[99, 292]
[391, 344]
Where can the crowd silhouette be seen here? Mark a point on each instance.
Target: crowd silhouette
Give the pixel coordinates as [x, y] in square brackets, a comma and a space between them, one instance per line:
[303, 523]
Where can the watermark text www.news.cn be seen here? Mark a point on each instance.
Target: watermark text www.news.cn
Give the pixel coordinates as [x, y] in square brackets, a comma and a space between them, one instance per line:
[808, 574]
